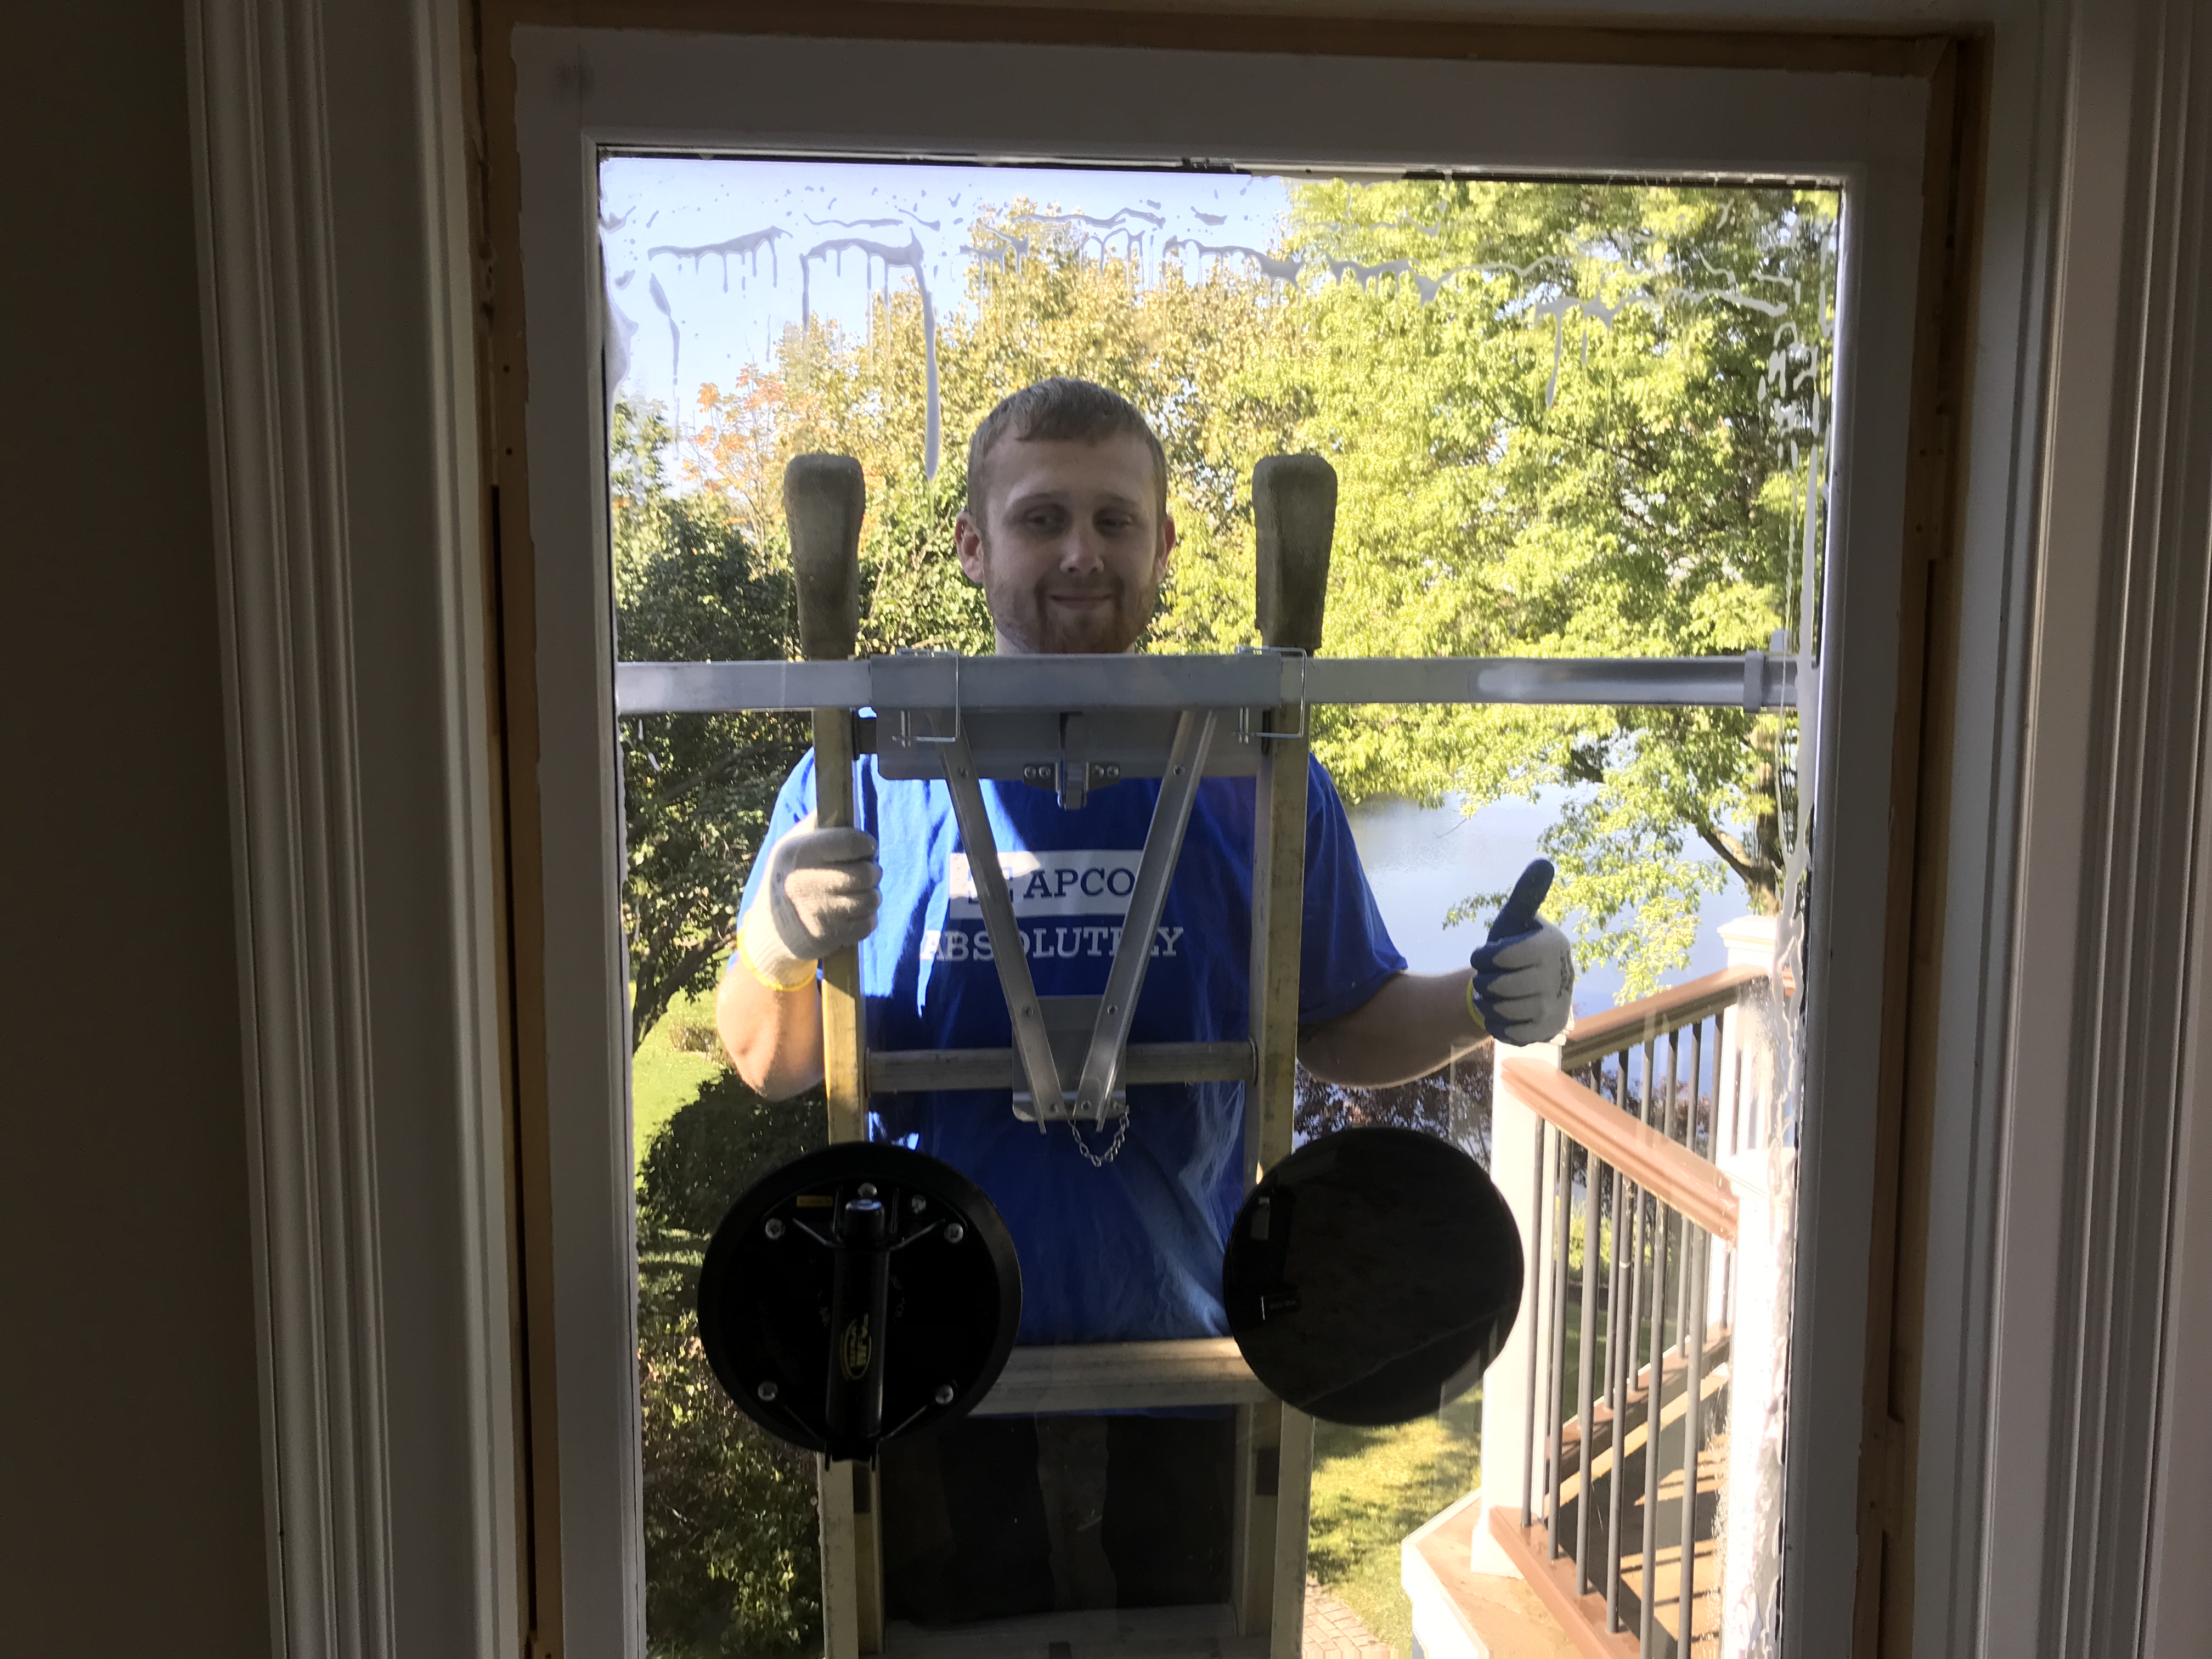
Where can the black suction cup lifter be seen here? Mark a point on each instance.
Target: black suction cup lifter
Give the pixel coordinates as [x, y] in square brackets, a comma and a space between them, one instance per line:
[858, 1294]
[1372, 1276]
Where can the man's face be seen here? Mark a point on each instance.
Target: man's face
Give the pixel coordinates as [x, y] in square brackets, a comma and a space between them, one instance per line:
[1074, 547]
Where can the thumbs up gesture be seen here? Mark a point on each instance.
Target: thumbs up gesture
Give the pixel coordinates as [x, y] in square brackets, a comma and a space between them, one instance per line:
[1523, 987]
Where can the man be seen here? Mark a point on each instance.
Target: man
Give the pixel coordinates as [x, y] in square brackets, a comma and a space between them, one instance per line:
[1120, 1231]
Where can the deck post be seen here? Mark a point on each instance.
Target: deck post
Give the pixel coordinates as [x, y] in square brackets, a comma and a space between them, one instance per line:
[1510, 1465]
[1763, 1174]
[1739, 1118]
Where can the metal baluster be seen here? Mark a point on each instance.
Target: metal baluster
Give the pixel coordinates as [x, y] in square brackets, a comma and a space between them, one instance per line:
[1628, 1260]
[1585, 1357]
[1560, 1184]
[1653, 1117]
[1639, 1306]
[1675, 1112]
[1620, 1352]
[1694, 1362]
[1729, 1052]
[1728, 1263]
[1697, 1092]
[1745, 1087]
[1657, 1345]
[1545, 1135]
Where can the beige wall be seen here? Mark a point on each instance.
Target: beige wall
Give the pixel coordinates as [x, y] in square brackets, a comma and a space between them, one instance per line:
[129, 1450]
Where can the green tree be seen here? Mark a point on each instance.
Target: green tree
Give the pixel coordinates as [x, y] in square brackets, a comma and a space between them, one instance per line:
[733, 1558]
[1567, 419]
[1580, 422]
[697, 789]
[1174, 346]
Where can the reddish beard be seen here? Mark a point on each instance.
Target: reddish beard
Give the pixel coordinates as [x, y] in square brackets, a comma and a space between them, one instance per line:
[1108, 623]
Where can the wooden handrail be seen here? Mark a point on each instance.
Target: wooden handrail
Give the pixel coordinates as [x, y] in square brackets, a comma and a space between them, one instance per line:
[1638, 1021]
[1672, 1171]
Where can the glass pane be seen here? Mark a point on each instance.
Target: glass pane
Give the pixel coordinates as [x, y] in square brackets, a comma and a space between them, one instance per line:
[1572, 419]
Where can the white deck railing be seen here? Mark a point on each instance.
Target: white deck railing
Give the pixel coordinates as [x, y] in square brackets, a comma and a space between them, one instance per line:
[1632, 1153]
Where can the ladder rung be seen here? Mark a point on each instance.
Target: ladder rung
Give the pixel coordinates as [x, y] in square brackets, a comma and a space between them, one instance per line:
[917, 1071]
[1097, 1377]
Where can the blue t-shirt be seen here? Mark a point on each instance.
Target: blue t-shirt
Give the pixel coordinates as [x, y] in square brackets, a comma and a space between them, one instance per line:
[1131, 1252]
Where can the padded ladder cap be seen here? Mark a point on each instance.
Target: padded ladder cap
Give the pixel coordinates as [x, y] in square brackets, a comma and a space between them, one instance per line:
[823, 498]
[1294, 513]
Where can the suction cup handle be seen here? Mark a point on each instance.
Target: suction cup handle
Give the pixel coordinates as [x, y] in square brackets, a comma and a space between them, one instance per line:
[860, 1307]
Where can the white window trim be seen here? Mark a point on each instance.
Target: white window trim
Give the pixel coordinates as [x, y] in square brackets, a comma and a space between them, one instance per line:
[2065, 322]
[337, 333]
[2059, 1512]
[580, 90]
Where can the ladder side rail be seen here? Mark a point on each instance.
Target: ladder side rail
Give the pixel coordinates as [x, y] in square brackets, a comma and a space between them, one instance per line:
[1294, 518]
[824, 500]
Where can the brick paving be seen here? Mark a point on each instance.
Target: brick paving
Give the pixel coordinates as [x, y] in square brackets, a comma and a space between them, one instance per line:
[1335, 1631]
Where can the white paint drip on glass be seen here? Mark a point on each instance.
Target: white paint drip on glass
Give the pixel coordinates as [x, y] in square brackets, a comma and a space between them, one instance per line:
[726, 215]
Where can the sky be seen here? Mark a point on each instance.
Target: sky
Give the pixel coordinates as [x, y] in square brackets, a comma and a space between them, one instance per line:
[708, 260]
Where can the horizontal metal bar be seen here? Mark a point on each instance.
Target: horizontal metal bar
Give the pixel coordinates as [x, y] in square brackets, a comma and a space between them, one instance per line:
[1255, 680]
[720, 688]
[1102, 1376]
[1025, 745]
[1665, 681]
[920, 1071]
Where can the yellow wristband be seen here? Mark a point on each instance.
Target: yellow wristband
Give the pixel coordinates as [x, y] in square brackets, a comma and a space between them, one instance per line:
[1473, 1012]
[751, 947]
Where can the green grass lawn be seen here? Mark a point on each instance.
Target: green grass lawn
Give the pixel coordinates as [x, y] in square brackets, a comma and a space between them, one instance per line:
[1370, 1488]
[669, 1067]
[1373, 1486]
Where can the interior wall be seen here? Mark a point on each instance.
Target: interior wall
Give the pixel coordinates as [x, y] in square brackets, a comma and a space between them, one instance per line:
[131, 1467]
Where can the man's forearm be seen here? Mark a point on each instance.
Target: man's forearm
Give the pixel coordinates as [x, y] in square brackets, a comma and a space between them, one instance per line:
[1417, 1024]
[774, 1038]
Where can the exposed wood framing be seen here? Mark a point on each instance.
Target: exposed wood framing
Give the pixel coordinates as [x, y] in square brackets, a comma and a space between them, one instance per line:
[1921, 764]
[496, 233]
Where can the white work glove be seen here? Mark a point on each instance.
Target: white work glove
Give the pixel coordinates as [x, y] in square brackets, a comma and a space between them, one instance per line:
[1523, 988]
[818, 894]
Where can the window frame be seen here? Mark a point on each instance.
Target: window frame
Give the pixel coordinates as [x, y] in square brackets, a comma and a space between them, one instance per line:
[355, 181]
[579, 92]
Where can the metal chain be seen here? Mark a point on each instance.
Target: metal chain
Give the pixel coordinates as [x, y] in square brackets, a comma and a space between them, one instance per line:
[1098, 1161]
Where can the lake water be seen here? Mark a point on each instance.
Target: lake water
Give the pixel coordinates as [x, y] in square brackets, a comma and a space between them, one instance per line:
[1422, 860]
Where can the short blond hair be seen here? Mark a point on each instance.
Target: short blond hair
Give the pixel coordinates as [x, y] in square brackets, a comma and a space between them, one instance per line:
[1062, 410]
